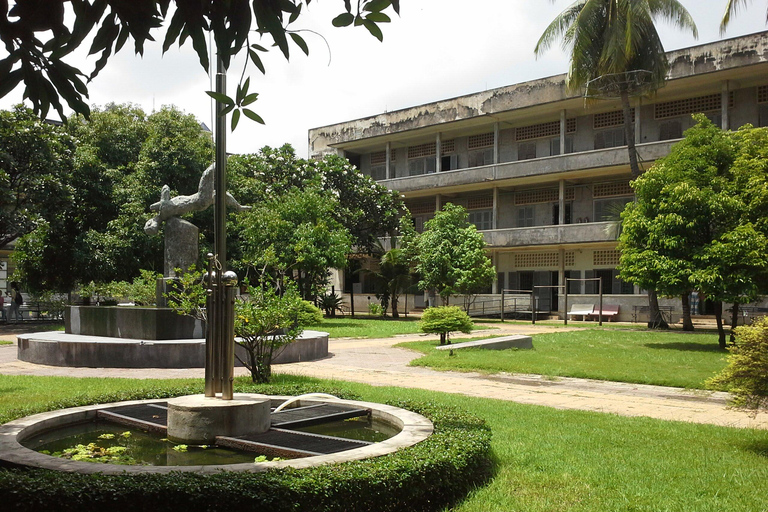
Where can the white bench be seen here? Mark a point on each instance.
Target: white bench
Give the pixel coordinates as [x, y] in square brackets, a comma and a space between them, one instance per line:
[582, 310]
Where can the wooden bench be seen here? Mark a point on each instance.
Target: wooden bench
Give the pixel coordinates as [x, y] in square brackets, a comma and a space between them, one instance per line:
[609, 312]
[582, 310]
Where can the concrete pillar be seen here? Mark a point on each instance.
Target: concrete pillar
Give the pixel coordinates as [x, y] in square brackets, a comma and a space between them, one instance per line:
[638, 130]
[562, 132]
[495, 213]
[438, 152]
[495, 143]
[438, 202]
[561, 202]
[495, 262]
[724, 96]
[390, 174]
[561, 278]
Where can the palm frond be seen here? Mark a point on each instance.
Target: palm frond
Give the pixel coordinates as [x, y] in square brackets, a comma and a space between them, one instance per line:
[731, 7]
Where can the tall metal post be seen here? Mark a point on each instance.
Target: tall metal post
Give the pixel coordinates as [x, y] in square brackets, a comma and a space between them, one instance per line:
[220, 339]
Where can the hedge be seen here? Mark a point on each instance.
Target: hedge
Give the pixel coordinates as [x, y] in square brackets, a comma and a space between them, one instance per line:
[428, 476]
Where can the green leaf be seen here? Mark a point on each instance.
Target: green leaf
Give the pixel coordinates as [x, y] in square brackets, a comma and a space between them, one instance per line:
[249, 99]
[257, 61]
[300, 43]
[235, 119]
[221, 98]
[378, 17]
[374, 30]
[250, 114]
[343, 20]
[377, 5]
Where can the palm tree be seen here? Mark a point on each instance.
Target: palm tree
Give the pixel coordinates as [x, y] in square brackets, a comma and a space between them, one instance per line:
[731, 7]
[393, 276]
[618, 39]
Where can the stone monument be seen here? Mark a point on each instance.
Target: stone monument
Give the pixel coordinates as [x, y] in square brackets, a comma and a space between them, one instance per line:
[181, 237]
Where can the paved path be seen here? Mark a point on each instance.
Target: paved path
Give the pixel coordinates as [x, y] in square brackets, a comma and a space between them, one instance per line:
[377, 362]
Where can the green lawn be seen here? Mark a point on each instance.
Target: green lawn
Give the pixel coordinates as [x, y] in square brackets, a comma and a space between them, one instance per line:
[547, 459]
[6, 342]
[645, 357]
[367, 327]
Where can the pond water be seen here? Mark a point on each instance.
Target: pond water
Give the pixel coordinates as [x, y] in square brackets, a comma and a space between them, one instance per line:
[360, 429]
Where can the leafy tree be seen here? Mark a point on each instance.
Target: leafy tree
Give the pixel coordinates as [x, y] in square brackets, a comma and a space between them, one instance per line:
[367, 209]
[450, 255]
[392, 277]
[265, 321]
[122, 158]
[700, 222]
[445, 320]
[746, 375]
[36, 161]
[296, 237]
[676, 213]
[38, 41]
[613, 39]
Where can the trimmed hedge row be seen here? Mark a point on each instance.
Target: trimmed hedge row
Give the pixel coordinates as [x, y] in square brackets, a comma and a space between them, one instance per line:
[428, 476]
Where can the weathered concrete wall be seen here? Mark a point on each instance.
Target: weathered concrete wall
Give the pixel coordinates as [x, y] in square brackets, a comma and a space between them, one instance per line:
[707, 58]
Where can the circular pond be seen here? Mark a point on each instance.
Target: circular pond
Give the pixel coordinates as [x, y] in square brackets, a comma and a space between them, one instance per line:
[130, 436]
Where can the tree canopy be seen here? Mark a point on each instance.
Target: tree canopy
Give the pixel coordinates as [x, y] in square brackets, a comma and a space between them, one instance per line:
[39, 41]
[450, 255]
[699, 220]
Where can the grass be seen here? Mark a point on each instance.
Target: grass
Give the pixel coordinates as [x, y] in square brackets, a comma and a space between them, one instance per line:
[367, 327]
[661, 358]
[549, 459]
[6, 342]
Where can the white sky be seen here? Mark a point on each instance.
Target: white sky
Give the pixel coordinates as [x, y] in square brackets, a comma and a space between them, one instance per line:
[436, 49]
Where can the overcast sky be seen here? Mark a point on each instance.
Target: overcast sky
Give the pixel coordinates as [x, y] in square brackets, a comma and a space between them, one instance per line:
[436, 49]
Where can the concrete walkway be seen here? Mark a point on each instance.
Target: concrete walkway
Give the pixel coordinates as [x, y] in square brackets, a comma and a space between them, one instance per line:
[377, 362]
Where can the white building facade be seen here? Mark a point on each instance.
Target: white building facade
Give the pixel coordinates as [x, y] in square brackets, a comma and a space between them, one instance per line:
[542, 172]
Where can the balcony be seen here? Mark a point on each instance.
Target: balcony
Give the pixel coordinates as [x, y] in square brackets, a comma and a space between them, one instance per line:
[548, 166]
[549, 235]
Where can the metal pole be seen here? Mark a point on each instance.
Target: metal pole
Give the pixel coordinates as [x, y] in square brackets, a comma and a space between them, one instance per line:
[220, 182]
[533, 306]
[502, 304]
[565, 305]
[600, 313]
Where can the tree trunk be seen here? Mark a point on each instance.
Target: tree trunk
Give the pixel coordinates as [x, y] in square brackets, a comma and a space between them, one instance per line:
[629, 133]
[734, 321]
[687, 322]
[719, 320]
[655, 320]
[393, 301]
[442, 338]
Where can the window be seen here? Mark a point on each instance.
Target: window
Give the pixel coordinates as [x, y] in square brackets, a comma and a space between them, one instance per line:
[526, 150]
[480, 157]
[417, 166]
[500, 281]
[762, 113]
[609, 138]
[610, 209]
[525, 216]
[449, 163]
[482, 219]
[670, 130]
[556, 213]
[554, 145]
[716, 118]
[574, 287]
[612, 285]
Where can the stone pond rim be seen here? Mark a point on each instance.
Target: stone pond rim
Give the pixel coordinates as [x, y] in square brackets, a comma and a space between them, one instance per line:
[414, 428]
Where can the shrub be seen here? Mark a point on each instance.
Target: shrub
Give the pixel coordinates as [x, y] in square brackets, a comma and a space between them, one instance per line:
[746, 375]
[426, 477]
[444, 320]
[309, 314]
[331, 303]
[375, 309]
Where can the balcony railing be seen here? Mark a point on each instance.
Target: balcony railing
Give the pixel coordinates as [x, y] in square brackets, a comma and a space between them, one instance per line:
[549, 235]
[610, 157]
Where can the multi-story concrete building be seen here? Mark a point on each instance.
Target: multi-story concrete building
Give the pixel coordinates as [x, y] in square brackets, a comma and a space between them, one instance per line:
[541, 171]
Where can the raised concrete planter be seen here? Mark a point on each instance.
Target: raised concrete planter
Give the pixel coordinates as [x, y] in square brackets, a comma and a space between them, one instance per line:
[413, 429]
[132, 322]
[62, 349]
[515, 341]
[197, 419]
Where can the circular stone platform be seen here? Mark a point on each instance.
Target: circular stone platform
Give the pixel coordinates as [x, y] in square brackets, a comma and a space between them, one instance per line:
[62, 349]
[413, 429]
[198, 419]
